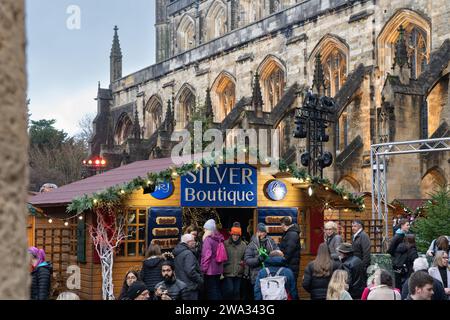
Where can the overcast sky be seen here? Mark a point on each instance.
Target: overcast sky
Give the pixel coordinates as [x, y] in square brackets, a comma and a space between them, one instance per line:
[67, 53]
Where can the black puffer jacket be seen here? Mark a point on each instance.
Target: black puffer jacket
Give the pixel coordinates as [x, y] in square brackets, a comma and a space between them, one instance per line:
[151, 272]
[395, 242]
[41, 281]
[354, 267]
[187, 267]
[405, 256]
[290, 245]
[318, 286]
[176, 289]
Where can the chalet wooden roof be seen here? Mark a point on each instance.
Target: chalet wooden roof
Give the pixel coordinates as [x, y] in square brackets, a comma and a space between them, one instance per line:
[65, 194]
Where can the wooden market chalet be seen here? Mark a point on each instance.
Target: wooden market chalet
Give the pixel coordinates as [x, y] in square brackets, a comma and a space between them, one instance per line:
[151, 219]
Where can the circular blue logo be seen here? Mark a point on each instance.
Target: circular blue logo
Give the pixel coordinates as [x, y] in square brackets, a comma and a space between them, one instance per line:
[163, 190]
[276, 190]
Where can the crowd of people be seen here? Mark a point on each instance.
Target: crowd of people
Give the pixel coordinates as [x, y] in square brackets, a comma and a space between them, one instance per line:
[211, 264]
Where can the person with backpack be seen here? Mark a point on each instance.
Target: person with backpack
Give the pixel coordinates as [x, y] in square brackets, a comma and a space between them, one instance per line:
[234, 268]
[392, 250]
[259, 248]
[213, 256]
[403, 260]
[276, 281]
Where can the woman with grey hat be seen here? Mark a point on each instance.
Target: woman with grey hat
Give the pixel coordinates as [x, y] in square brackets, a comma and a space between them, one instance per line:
[259, 248]
[211, 267]
[353, 265]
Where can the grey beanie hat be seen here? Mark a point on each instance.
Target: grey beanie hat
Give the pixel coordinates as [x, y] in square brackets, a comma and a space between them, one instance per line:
[262, 227]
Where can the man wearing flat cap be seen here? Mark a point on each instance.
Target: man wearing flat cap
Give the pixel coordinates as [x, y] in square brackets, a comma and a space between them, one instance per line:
[353, 265]
[258, 250]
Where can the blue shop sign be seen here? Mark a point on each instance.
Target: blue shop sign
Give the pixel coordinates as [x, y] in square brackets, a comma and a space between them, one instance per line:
[163, 190]
[227, 185]
[276, 190]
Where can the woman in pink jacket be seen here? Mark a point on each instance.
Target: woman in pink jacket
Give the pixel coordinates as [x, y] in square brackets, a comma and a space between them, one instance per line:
[209, 265]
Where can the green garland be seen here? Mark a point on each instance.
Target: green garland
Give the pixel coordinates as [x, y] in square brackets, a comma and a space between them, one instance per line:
[117, 195]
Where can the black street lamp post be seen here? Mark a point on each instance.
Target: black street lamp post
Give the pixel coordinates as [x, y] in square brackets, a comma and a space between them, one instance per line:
[311, 122]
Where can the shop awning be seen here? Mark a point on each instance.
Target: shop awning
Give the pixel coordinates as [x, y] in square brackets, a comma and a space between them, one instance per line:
[65, 194]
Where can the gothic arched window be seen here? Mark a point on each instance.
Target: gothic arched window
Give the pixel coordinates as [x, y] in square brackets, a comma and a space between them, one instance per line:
[250, 11]
[185, 106]
[153, 116]
[216, 20]
[417, 50]
[123, 129]
[335, 70]
[186, 34]
[417, 32]
[224, 89]
[334, 56]
[272, 77]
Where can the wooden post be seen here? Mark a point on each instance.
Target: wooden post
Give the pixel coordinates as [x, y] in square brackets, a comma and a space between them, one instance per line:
[14, 276]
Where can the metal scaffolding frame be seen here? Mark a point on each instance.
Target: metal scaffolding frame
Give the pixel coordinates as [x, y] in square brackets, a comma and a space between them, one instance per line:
[378, 155]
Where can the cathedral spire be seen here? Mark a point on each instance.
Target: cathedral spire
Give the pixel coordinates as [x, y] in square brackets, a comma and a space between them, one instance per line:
[115, 58]
[257, 100]
[319, 78]
[401, 50]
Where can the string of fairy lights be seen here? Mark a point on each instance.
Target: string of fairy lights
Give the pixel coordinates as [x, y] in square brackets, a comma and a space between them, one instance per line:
[116, 195]
[51, 219]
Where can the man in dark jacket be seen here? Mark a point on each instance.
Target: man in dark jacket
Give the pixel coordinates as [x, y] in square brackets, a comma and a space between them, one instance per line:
[233, 269]
[361, 245]
[171, 288]
[290, 245]
[258, 250]
[353, 265]
[276, 263]
[396, 250]
[187, 266]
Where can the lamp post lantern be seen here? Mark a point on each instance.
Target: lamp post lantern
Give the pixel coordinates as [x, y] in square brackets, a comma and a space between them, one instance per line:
[311, 121]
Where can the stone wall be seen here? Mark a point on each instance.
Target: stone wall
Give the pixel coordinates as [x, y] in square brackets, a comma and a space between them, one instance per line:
[291, 37]
[14, 276]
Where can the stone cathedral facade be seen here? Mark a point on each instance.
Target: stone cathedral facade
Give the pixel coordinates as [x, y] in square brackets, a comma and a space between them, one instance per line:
[385, 62]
